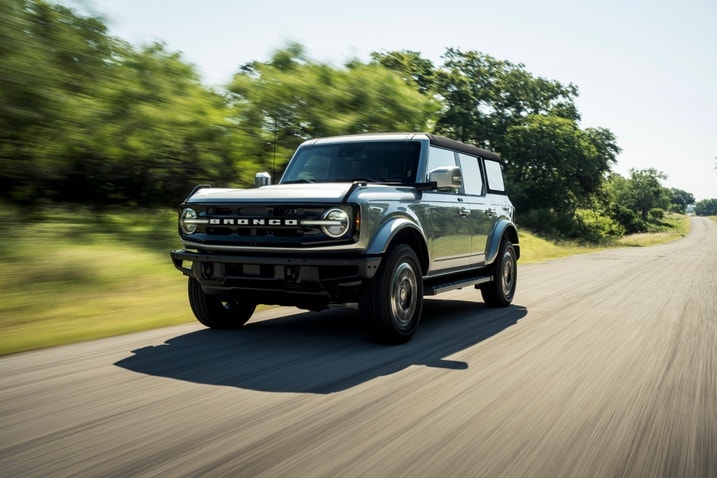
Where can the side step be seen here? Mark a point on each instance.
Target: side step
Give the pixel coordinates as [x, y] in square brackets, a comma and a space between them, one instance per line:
[433, 288]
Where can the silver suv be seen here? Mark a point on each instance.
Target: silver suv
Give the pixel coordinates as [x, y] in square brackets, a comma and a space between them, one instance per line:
[380, 220]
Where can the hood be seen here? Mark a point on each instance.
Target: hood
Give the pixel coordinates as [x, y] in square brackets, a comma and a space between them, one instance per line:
[329, 192]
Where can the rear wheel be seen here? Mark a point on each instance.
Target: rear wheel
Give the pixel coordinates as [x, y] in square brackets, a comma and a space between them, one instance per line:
[500, 292]
[391, 303]
[218, 311]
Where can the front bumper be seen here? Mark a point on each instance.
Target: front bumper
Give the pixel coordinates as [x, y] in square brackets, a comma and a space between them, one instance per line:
[307, 273]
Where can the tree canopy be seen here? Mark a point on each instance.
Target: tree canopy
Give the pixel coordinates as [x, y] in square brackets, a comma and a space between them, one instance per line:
[85, 117]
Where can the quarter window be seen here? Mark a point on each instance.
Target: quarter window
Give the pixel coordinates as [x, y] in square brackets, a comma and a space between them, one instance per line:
[472, 177]
[494, 174]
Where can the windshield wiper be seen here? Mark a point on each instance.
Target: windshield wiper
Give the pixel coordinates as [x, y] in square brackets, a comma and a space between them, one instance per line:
[298, 181]
[355, 180]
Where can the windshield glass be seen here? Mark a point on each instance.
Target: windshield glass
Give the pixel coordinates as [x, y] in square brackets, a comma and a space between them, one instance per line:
[385, 162]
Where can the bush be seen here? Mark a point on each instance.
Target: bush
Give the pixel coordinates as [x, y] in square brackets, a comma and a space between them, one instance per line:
[656, 214]
[596, 227]
[585, 225]
[628, 219]
[548, 222]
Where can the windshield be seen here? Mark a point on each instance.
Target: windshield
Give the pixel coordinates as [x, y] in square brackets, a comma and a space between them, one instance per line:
[384, 162]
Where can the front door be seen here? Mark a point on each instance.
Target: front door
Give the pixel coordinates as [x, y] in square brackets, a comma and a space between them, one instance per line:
[450, 219]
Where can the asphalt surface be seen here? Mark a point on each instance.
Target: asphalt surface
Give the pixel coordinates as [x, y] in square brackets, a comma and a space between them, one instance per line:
[606, 365]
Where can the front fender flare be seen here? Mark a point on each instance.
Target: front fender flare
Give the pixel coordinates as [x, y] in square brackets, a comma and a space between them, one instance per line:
[387, 232]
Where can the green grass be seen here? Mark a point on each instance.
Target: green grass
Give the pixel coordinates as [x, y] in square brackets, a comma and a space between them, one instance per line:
[70, 275]
[679, 226]
[536, 249]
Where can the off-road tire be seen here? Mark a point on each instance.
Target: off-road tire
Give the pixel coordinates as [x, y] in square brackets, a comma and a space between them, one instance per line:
[218, 311]
[391, 303]
[500, 292]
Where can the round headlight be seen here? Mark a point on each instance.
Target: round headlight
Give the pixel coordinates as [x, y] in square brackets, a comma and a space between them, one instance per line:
[186, 221]
[336, 223]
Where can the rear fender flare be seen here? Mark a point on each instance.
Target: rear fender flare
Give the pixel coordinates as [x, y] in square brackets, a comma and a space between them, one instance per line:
[503, 228]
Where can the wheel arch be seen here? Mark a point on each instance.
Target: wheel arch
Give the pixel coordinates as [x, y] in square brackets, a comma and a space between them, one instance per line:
[503, 229]
[401, 231]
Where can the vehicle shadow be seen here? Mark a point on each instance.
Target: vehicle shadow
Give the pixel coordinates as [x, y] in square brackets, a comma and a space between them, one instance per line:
[319, 352]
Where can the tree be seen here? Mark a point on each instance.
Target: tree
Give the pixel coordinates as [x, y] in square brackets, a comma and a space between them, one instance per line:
[554, 165]
[680, 200]
[85, 117]
[49, 59]
[483, 97]
[414, 69]
[149, 135]
[289, 99]
[635, 197]
[706, 207]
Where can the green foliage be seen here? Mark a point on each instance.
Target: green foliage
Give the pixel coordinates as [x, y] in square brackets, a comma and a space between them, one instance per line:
[642, 192]
[553, 164]
[87, 118]
[706, 207]
[414, 69]
[680, 200]
[156, 133]
[483, 97]
[290, 99]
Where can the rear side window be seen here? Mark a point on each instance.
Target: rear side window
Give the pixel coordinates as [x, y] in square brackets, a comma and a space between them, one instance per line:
[472, 178]
[494, 175]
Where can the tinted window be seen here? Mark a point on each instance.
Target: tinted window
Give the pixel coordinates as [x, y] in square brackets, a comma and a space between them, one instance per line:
[443, 159]
[393, 162]
[472, 177]
[494, 175]
[439, 157]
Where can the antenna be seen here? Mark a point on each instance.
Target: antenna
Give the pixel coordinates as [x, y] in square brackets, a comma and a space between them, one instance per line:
[273, 161]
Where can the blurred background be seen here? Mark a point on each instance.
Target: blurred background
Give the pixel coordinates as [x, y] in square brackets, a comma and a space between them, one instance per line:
[100, 139]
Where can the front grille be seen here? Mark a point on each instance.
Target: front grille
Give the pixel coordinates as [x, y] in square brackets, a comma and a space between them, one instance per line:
[260, 225]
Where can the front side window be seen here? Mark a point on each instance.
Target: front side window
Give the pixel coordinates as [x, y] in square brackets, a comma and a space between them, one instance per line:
[443, 170]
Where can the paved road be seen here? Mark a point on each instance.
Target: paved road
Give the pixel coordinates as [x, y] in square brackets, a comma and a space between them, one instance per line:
[605, 366]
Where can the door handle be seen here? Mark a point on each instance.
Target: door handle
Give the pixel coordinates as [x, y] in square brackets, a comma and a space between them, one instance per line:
[464, 212]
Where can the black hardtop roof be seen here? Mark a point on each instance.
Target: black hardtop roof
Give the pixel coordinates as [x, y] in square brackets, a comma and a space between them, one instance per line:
[434, 139]
[461, 146]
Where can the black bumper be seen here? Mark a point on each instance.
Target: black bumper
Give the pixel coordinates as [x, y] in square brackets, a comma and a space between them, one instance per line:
[262, 272]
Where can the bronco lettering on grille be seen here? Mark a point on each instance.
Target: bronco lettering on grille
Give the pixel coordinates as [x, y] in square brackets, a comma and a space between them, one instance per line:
[253, 222]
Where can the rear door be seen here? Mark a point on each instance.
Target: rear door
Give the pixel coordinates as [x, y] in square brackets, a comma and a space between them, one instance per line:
[481, 217]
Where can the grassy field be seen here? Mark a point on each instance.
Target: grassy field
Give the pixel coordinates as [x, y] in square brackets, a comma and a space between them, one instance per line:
[73, 275]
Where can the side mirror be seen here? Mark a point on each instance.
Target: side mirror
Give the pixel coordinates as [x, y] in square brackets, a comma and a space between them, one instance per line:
[262, 179]
[447, 178]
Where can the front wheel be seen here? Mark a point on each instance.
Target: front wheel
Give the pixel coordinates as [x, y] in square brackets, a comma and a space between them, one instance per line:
[391, 303]
[500, 292]
[218, 311]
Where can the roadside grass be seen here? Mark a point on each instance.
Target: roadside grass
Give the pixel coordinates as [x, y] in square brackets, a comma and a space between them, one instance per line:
[70, 275]
[75, 275]
[679, 226]
[537, 249]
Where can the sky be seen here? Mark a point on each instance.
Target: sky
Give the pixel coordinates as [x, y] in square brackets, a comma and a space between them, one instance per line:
[646, 70]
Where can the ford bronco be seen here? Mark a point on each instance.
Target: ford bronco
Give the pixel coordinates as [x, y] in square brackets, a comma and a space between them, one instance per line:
[380, 220]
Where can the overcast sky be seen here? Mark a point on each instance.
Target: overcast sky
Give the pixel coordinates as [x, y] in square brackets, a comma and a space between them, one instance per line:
[646, 70]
